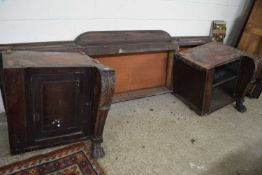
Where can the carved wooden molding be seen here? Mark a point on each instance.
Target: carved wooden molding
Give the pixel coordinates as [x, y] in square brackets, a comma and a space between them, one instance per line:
[103, 91]
[106, 43]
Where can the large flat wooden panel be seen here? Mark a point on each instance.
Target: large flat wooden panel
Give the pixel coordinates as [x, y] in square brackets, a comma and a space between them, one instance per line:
[251, 39]
[138, 71]
[59, 102]
[251, 42]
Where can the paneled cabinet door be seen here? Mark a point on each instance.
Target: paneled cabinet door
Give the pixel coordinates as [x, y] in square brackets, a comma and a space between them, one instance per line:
[59, 101]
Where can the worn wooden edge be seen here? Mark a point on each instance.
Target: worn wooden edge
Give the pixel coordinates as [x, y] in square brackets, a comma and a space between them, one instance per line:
[106, 49]
[169, 70]
[123, 36]
[98, 50]
[240, 24]
[12, 109]
[187, 41]
[125, 96]
[105, 43]
[238, 53]
[208, 89]
[128, 48]
[37, 45]
[43, 146]
[180, 57]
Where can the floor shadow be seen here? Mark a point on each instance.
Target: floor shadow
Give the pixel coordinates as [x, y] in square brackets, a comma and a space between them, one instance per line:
[246, 160]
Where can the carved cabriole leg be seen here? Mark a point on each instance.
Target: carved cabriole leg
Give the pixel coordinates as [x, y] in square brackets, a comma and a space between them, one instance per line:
[97, 139]
[247, 73]
[104, 91]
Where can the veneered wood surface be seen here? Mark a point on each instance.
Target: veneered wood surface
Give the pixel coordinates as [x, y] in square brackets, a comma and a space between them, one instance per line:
[251, 39]
[188, 41]
[138, 71]
[37, 86]
[210, 55]
[63, 107]
[124, 42]
[58, 94]
[194, 72]
[106, 43]
[15, 106]
[132, 36]
[20, 59]
[189, 84]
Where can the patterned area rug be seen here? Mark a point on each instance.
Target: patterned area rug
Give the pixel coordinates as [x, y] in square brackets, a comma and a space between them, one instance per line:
[71, 160]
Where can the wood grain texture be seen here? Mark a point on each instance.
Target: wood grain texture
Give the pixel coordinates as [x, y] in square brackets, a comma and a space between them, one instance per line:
[169, 70]
[210, 76]
[120, 50]
[103, 95]
[19, 59]
[109, 37]
[210, 55]
[190, 41]
[106, 43]
[251, 42]
[15, 106]
[189, 84]
[240, 23]
[138, 71]
[55, 98]
[251, 38]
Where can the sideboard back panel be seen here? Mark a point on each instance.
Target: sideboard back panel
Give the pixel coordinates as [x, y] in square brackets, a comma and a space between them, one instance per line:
[138, 71]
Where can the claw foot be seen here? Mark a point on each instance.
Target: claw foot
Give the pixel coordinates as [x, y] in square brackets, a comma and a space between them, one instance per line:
[240, 107]
[97, 150]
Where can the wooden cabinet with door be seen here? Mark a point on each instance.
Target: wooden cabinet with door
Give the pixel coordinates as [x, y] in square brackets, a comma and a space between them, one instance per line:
[55, 98]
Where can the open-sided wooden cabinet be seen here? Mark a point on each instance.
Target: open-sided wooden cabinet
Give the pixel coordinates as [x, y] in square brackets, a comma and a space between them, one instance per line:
[211, 76]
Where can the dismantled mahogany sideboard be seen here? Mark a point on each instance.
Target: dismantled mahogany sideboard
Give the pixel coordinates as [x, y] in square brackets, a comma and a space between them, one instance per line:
[213, 75]
[142, 59]
[55, 98]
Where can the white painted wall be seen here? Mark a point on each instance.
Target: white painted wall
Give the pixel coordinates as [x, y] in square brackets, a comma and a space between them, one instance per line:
[50, 20]
[53, 20]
